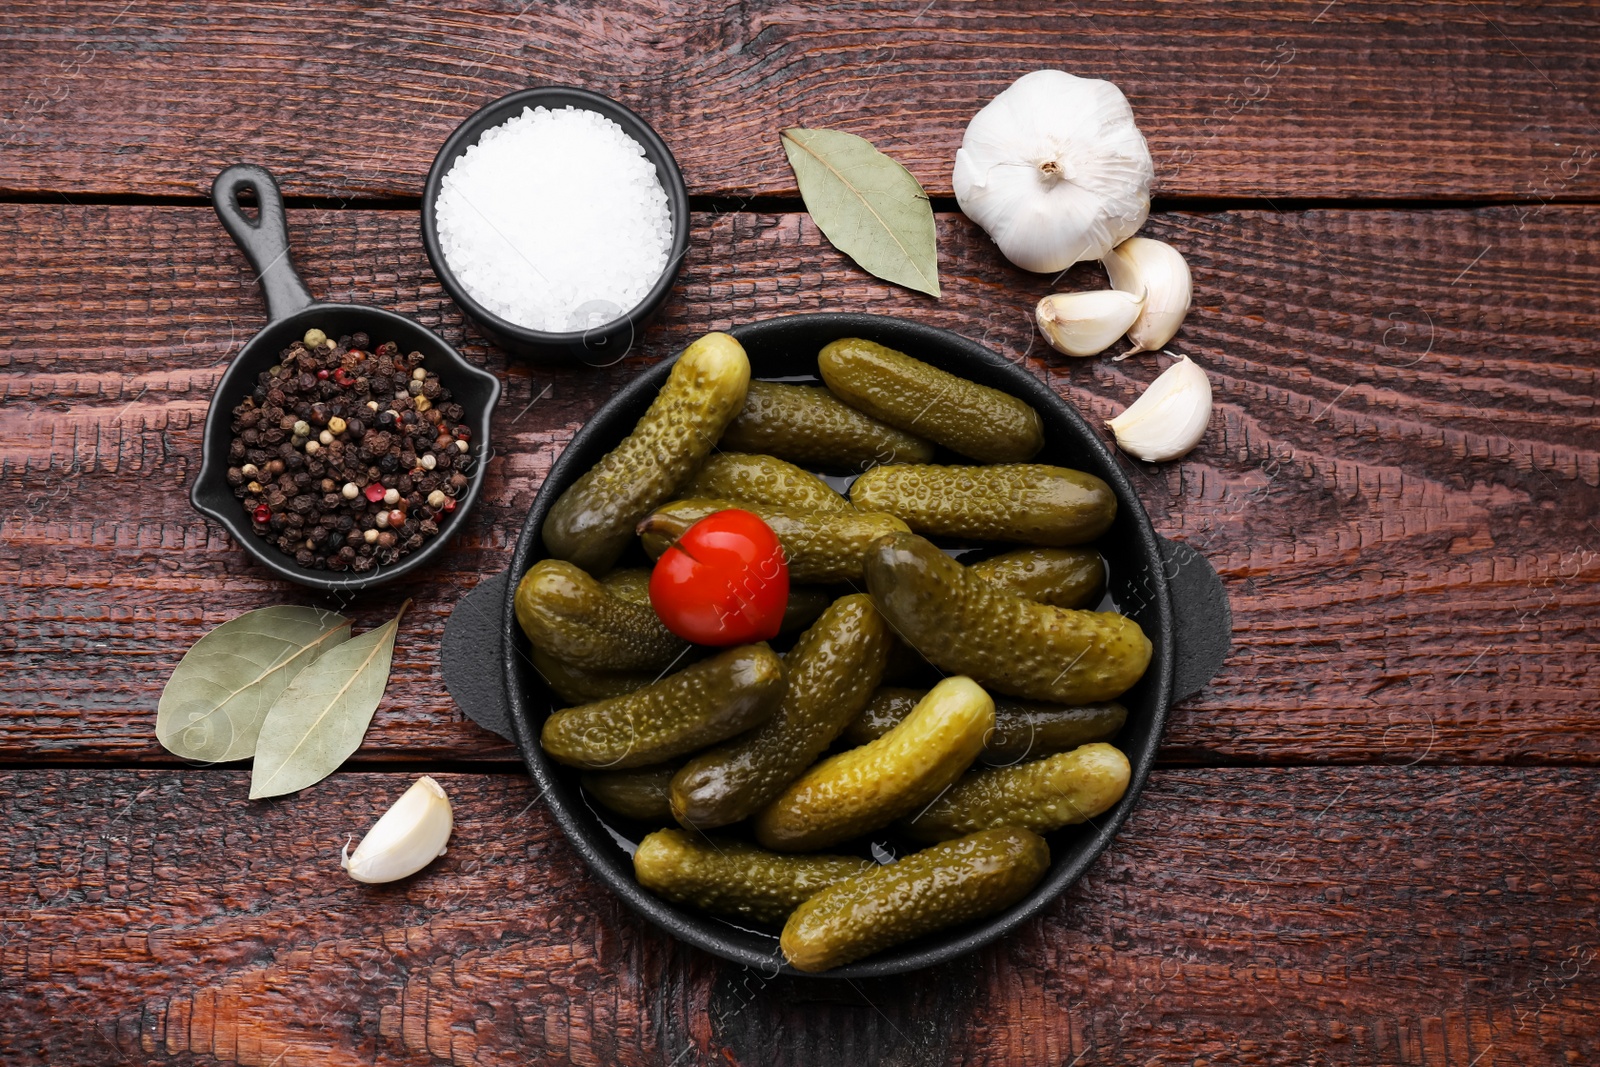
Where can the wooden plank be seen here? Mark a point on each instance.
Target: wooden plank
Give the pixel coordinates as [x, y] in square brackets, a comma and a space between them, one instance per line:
[1398, 486]
[1370, 915]
[1272, 98]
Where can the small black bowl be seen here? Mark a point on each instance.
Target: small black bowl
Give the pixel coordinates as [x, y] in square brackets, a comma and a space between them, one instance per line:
[602, 345]
[1169, 589]
[291, 311]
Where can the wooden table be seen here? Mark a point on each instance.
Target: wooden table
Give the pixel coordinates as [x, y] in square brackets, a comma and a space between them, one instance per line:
[1372, 840]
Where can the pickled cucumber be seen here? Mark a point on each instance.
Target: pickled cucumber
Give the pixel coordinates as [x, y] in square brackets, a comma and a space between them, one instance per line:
[821, 546]
[1044, 795]
[762, 480]
[734, 879]
[700, 705]
[964, 625]
[569, 615]
[592, 522]
[629, 583]
[930, 890]
[831, 672]
[808, 424]
[639, 794]
[1029, 503]
[981, 423]
[871, 786]
[1022, 729]
[578, 686]
[1063, 577]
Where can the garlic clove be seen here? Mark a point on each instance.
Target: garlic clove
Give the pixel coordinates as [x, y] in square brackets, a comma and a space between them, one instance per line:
[1169, 418]
[1156, 269]
[1086, 324]
[408, 837]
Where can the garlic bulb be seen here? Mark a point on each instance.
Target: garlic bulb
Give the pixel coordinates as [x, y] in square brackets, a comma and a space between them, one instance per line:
[1055, 170]
[408, 837]
[1086, 324]
[1157, 270]
[1170, 417]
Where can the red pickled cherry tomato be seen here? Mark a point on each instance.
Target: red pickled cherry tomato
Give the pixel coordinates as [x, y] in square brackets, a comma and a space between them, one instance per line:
[724, 582]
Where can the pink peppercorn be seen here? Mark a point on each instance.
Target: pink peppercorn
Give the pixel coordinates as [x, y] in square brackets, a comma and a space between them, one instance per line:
[375, 492]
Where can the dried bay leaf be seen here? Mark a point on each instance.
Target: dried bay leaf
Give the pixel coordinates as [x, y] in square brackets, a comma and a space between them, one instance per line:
[322, 716]
[213, 705]
[870, 207]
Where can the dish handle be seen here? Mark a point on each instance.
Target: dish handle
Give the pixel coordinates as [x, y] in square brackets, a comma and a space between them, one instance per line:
[264, 240]
[470, 656]
[1203, 627]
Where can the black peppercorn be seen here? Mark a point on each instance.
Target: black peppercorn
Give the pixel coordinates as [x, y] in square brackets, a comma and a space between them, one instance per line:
[303, 481]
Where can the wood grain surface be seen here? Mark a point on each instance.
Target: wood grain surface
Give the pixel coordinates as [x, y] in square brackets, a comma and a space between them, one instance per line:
[1312, 98]
[1369, 842]
[1399, 485]
[1361, 916]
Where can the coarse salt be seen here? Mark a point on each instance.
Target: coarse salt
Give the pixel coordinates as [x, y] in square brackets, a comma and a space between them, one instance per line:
[555, 220]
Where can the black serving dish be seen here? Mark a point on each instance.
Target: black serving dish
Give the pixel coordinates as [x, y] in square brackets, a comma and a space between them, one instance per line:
[1169, 589]
[602, 345]
[291, 311]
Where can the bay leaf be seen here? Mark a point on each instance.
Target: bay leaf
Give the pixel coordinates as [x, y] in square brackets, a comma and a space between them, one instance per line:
[320, 719]
[212, 707]
[867, 205]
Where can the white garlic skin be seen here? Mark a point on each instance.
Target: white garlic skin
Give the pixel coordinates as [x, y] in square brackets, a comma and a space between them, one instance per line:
[409, 836]
[1169, 418]
[1086, 324]
[1055, 170]
[1156, 269]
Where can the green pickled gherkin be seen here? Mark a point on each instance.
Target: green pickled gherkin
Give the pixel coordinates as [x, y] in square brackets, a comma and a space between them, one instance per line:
[1044, 795]
[733, 879]
[629, 583]
[939, 887]
[754, 479]
[1028, 503]
[572, 617]
[871, 786]
[700, 705]
[808, 424]
[964, 625]
[1061, 577]
[979, 422]
[638, 794]
[830, 674]
[592, 522]
[1023, 729]
[576, 685]
[820, 546]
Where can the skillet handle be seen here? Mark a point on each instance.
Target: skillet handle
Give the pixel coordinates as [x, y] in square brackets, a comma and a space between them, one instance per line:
[264, 240]
[1203, 630]
[470, 656]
